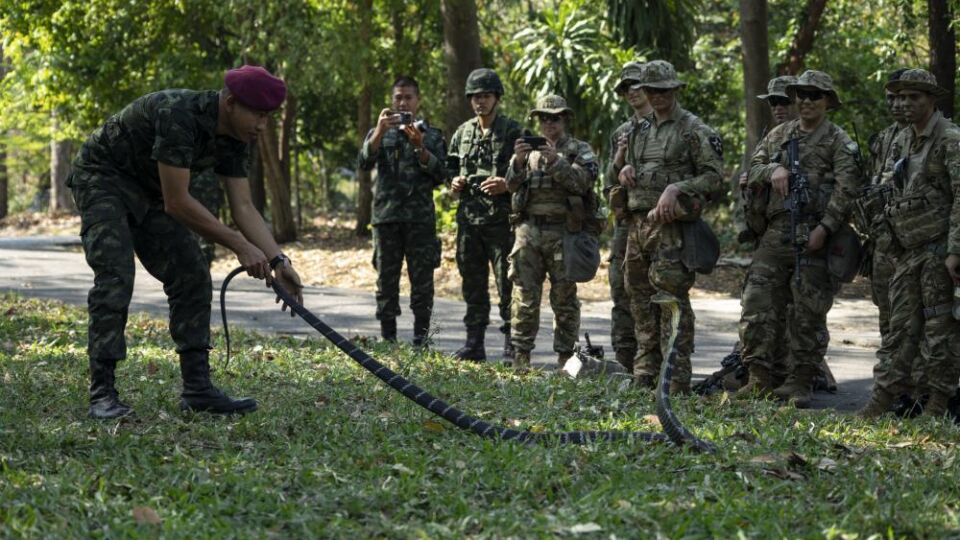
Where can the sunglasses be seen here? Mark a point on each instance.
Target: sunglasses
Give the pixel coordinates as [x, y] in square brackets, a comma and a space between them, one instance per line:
[550, 118]
[777, 101]
[810, 95]
[649, 90]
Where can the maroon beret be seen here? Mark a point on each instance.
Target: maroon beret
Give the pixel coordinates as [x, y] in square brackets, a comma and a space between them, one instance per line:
[256, 88]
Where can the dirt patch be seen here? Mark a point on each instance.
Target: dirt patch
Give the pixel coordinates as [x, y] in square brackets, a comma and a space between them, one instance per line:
[37, 224]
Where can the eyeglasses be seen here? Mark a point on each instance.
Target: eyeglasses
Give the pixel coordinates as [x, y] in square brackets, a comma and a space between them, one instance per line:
[778, 101]
[810, 95]
[650, 90]
[550, 118]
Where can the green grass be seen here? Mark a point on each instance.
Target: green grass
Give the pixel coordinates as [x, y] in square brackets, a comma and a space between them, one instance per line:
[335, 453]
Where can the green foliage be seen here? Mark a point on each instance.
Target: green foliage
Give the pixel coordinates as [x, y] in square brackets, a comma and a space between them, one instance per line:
[666, 27]
[335, 453]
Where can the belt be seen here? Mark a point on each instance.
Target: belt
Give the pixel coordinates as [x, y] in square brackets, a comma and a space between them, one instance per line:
[542, 221]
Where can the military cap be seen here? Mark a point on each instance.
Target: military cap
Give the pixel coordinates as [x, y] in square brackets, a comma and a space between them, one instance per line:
[777, 87]
[256, 88]
[817, 80]
[551, 104]
[483, 80]
[631, 74]
[917, 79]
[660, 74]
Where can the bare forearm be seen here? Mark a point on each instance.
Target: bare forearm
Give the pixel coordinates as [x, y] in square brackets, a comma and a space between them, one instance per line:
[197, 218]
[254, 229]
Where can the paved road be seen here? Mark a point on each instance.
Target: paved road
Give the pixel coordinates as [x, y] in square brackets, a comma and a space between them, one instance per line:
[54, 267]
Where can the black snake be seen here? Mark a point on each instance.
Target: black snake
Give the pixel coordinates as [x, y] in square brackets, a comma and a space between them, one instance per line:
[675, 432]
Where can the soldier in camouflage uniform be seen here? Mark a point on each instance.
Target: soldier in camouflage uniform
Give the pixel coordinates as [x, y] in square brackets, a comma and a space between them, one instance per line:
[543, 180]
[483, 147]
[130, 182]
[830, 160]
[621, 321]
[410, 163]
[205, 188]
[923, 218]
[674, 163]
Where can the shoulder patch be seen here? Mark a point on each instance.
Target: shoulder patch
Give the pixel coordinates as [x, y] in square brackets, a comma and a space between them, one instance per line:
[717, 144]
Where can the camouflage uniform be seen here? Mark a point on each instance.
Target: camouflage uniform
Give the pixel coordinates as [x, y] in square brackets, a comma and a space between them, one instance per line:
[683, 151]
[205, 188]
[484, 234]
[924, 218]
[404, 220]
[830, 159]
[542, 193]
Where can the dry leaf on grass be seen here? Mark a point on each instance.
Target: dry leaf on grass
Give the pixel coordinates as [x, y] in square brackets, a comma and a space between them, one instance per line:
[144, 515]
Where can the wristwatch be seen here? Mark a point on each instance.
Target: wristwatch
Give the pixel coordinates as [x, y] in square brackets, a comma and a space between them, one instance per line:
[281, 258]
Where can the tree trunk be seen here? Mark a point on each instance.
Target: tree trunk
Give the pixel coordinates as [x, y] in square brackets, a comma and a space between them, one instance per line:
[61, 154]
[258, 192]
[364, 102]
[278, 185]
[756, 68]
[943, 51]
[287, 141]
[4, 183]
[461, 54]
[803, 40]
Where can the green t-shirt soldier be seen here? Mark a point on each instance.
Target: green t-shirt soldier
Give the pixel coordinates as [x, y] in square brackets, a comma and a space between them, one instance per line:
[673, 165]
[409, 160]
[543, 180]
[622, 335]
[130, 182]
[830, 161]
[481, 149]
[924, 219]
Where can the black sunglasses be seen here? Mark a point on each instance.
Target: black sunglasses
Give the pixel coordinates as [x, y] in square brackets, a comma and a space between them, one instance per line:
[550, 117]
[810, 95]
[779, 101]
[654, 91]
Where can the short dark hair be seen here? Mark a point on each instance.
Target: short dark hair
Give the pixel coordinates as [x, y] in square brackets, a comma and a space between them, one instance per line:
[404, 80]
[895, 75]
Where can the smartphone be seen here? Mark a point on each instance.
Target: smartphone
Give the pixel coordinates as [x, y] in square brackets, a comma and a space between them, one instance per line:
[535, 142]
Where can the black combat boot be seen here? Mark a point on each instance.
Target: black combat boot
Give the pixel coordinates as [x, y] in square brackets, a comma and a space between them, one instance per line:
[388, 330]
[473, 349]
[421, 331]
[200, 395]
[508, 350]
[104, 400]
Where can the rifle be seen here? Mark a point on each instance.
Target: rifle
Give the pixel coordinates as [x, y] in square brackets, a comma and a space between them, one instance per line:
[797, 199]
[731, 363]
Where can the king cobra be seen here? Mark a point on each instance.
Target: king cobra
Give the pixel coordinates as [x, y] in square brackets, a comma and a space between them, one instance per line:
[675, 431]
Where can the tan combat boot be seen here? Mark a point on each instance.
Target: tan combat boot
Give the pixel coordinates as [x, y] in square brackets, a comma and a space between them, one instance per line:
[679, 388]
[936, 406]
[521, 361]
[881, 401]
[759, 383]
[798, 388]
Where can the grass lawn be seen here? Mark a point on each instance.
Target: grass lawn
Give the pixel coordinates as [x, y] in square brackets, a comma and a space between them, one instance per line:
[333, 452]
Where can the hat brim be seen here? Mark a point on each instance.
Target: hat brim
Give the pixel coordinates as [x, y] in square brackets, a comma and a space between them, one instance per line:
[932, 89]
[668, 85]
[773, 94]
[835, 102]
[625, 85]
[564, 110]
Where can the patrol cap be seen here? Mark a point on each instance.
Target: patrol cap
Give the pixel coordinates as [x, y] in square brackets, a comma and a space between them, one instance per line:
[777, 87]
[917, 79]
[630, 75]
[660, 74]
[551, 104]
[256, 88]
[817, 80]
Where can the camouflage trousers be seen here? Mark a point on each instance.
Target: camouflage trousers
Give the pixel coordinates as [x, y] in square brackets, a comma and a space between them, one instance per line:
[205, 188]
[769, 290]
[621, 321]
[169, 252]
[480, 247]
[418, 243]
[921, 294]
[536, 255]
[652, 265]
[885, 372]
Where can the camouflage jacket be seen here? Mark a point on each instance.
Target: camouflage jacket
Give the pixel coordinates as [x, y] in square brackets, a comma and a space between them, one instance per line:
[682, 150]
[931, 173]
[403, 192]
[880, 145]
[481, 156]
[547, 187]
[612, 172]
[829, 158]
[175, 127]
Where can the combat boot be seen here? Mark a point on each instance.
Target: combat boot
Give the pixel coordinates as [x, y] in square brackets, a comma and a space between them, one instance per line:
[759, 383]
[881, 401]
[104, 400]
[936, 406]
[388, 330]
[645, 380]
[200, 395]
[421, 331]
[679, 388]
[798, 388]
[521, 361]
[474, 348]
[625, 358]
[562, 358]
[508, 351]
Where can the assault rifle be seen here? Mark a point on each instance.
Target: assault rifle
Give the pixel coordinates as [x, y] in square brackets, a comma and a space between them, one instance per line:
[731, 364]
[797, 199]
